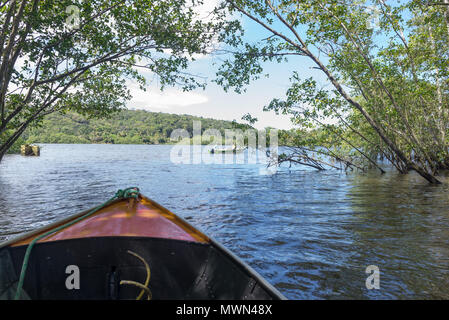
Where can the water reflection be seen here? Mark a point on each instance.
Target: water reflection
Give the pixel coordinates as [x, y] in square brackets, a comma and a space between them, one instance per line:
[402, 226]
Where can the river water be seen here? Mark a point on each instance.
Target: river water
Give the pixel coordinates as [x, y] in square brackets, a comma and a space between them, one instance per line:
[311, 234]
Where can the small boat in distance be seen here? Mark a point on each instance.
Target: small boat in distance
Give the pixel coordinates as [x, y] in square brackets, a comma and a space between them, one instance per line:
[130, 247]
[227, 149]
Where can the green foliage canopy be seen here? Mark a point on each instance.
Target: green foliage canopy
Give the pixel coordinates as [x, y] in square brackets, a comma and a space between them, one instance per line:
[387, 67]
[77, 55]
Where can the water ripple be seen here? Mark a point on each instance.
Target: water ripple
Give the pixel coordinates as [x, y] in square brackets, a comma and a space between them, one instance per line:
[311, 234]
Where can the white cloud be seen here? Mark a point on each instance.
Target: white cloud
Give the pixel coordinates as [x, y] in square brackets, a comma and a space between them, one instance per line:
[204, 13]
[170, 98]
[204, 10]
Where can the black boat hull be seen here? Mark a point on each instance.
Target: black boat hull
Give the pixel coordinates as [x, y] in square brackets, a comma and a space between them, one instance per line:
[179, 270]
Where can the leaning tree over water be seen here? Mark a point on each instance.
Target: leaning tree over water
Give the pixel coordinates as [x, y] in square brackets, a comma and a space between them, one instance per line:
[76, 55]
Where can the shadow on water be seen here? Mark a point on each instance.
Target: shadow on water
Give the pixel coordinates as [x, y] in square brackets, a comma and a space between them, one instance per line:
[312, 234]
[401, 224]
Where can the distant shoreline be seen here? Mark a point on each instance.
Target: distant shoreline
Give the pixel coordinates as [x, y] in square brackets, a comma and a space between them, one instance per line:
[129, 144]
[137, 144]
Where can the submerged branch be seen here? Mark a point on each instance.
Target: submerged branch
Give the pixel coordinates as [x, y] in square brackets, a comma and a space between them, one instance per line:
[305, 156]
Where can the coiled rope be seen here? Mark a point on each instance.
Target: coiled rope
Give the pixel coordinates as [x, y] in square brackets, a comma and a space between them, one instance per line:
[144, 287]
[132, 192]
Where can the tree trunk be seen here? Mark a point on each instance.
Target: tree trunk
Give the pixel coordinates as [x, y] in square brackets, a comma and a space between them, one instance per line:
[1, 156]
[446, 15]
[424, 174]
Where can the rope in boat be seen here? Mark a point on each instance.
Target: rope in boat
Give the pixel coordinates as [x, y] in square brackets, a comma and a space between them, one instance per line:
[144, 287]
[132, 192]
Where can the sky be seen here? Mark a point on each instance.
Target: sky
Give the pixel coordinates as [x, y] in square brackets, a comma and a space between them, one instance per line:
[214, 102]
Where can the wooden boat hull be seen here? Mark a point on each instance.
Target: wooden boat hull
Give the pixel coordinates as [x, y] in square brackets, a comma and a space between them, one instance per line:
[114, 246]
[226, 151]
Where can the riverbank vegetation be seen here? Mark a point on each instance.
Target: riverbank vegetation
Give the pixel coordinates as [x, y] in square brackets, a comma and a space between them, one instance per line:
[386, 67]
[64, 55]
[380, 90]
[124, 127]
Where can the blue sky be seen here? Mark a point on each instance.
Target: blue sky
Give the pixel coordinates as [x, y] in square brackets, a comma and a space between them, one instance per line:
[214, 102]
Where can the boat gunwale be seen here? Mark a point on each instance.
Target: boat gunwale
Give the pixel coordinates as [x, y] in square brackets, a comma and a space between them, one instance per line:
[49, 226]
[253, 273]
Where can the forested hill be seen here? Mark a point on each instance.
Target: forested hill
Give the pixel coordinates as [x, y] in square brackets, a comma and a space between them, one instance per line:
[124, 127]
